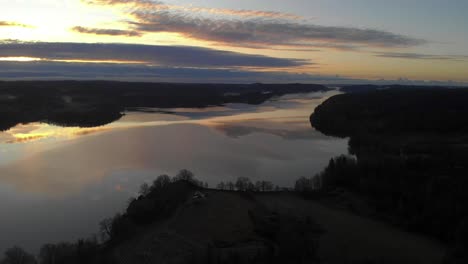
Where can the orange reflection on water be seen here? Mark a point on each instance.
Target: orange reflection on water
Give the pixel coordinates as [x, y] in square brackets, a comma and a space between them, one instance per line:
[24, 133]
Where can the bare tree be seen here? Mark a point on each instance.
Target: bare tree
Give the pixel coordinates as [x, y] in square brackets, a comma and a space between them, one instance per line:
[144, 189]
[267, 186]
[230, 186]
[184, 175]
[161, 182]
[264, 186]
[258, 186]
[243, 183]
[105, 228]
[221, 186]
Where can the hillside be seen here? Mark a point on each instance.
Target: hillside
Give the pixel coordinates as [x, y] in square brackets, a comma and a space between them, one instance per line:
[277, 227]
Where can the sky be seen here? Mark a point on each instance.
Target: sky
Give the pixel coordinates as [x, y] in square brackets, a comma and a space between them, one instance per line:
[321, 41]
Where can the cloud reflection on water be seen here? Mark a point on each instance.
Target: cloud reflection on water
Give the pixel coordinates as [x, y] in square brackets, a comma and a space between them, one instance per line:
[62, 184]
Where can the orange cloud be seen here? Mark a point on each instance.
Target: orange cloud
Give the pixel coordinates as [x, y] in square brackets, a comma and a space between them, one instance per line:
[25, 139]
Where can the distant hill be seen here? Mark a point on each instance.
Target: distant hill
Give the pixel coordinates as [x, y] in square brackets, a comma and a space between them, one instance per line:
[370, 87]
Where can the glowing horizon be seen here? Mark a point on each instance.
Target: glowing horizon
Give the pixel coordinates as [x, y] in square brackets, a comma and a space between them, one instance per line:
[353, 45]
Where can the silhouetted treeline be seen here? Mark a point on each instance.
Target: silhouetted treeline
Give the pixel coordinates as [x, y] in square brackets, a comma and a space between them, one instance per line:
[340, 172]
[411, 149]
[17, 255]
[364, 88]
[94, 103]
[80, 252]
[394, 111]
[244, 184]
[275, 238]
[155, 202]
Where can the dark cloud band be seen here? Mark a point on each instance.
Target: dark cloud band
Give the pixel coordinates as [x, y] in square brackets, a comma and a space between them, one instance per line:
[123, 72]
[172, 56]
[421, 56]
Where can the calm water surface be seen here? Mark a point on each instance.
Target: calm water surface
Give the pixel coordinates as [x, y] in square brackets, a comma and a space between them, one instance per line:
[56, 183]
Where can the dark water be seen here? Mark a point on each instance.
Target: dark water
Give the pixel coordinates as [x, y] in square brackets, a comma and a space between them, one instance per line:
[57, 183]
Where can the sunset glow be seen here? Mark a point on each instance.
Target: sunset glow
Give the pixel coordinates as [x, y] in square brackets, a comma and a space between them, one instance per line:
[346, 45]
[20, 59]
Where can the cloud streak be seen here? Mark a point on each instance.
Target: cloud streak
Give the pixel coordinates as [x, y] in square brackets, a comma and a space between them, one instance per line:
[12, 24]
[421, 56]
[125, 72]
[170, 56]
[44, 70]
[109, 32]
[250, 28]
[161, 6]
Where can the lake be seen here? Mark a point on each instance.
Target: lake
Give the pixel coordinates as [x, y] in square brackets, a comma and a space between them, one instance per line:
[57, 183]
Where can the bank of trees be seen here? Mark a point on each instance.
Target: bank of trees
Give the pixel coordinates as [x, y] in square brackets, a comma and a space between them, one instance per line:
[411, 157]
[17, 255]
[82, 251]
[155, 201]
[104, 102]
[244, 184]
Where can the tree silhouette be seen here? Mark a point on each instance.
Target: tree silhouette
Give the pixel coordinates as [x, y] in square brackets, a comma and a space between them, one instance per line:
[105, 228]
[264, 186]
[161, 182]
[303, 184]
[185, 175]
[144, 189]
[230, 186]
[221, 186]
[243, 184]
[17, 255]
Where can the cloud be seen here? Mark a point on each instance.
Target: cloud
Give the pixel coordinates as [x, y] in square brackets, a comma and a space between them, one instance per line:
[265, 32]
[160, 6]
[25, 139]
[12, 24]
[172, 56]
[136, 72]
[253, 28]
[110, 32]
[421, 56]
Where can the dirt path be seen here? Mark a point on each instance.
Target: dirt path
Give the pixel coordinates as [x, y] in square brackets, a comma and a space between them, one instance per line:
[348, 237]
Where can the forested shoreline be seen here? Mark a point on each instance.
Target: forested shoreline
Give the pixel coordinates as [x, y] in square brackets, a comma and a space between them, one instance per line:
[96, 103]
[410, 159]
